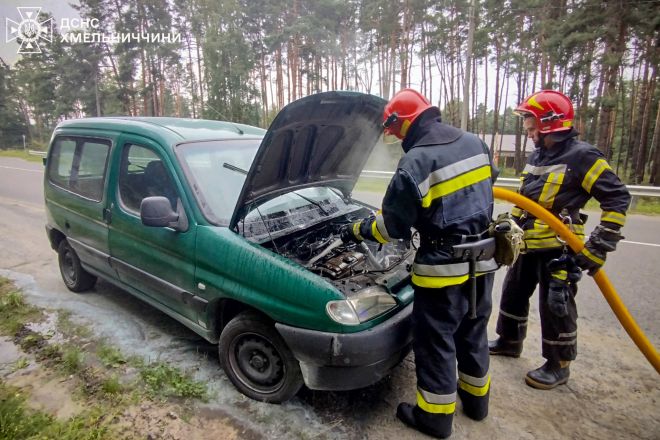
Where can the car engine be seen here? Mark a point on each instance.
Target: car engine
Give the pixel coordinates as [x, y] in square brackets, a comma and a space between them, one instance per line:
[349, 266]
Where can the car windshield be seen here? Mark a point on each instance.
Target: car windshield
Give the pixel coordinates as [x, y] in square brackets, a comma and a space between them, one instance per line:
[294, 210]
[217, 170]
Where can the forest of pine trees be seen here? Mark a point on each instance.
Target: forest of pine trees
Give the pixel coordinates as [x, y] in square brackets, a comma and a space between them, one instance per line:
[243, 60]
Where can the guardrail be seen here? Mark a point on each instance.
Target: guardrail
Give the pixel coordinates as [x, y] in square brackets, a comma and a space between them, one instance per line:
[37, 153]
[507, 182]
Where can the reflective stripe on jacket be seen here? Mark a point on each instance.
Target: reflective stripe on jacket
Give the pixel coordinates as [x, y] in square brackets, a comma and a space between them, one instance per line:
[442, 187]
[566, 176]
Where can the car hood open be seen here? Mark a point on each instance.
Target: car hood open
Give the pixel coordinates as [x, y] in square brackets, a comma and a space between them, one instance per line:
[320, 140]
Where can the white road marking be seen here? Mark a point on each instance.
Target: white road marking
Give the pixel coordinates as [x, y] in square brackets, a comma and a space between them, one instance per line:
[22, 169]
[640, 243]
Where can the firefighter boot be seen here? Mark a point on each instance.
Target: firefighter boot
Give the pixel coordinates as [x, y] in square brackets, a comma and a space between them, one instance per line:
[550, 375]
[435, 425]
[475, 407]
[502, 347]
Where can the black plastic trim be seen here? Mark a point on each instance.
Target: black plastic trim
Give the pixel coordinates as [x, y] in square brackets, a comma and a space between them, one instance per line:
[342, 361]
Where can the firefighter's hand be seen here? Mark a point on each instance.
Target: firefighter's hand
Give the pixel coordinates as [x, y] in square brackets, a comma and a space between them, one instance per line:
[590, 258]
[601, 241]
[351, 233]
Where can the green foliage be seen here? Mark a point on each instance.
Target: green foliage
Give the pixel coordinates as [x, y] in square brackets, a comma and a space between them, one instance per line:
[165, 380]
[17, 422]
[241, 60]
[14, 311]
[112, 386]
[12, 126]
[647, 205]
[73, 359]
[20, 364]
[110, 356]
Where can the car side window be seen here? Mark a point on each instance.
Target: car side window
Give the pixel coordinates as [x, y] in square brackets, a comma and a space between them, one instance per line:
[79, 165]
[143, 174]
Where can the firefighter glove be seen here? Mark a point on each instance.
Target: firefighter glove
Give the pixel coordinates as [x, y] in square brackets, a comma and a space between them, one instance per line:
[351, 233]
[558, 298]
[601, 241]
[564, 272]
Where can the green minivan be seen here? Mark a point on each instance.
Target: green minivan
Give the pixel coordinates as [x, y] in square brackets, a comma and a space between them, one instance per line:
[234, 232]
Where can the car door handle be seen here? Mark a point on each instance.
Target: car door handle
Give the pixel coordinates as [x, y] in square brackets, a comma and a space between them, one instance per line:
[107, 215]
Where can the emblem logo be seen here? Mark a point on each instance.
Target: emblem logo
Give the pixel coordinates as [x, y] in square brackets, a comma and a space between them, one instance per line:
[29, 31]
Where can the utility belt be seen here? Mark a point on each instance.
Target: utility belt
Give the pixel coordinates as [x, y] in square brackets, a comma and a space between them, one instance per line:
[466, 248]
[566, 216]
[447, 242]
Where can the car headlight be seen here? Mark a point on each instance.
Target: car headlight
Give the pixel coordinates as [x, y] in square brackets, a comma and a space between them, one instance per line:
[363, 306]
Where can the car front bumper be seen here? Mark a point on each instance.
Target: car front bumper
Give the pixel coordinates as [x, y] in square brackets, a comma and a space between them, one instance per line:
[347, 361]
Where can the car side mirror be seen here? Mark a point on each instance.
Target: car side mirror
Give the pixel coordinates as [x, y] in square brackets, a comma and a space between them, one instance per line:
[156, 211]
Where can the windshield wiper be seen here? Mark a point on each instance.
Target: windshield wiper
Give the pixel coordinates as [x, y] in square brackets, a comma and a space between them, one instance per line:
[234, 168]
[313, 202]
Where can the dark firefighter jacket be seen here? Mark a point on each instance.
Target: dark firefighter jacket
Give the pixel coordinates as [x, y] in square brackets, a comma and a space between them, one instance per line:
[566, 176]
[442, 187]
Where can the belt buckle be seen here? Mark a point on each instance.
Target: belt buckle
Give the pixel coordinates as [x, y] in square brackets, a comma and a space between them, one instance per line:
[567, 220]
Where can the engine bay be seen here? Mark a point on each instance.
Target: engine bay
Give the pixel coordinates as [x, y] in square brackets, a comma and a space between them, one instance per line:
[349, 266]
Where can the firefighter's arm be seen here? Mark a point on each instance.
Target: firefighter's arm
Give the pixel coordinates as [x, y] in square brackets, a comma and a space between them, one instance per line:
[600, 181]
[400, 210]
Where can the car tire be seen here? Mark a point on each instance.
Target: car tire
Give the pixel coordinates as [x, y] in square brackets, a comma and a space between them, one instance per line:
[75, 277]
[257, 360]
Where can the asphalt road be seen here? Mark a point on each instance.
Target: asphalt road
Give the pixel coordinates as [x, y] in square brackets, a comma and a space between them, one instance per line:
[613, 391]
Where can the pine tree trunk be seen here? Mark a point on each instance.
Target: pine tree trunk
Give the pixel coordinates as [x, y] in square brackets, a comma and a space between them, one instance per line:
[655, 146]
[496, 112]
[640, 166]
[199, 74]
[485, 121]
[613, 54]
[279, 78]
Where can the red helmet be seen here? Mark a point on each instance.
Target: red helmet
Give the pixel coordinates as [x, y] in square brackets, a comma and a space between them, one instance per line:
[552, 110]
[402, 110]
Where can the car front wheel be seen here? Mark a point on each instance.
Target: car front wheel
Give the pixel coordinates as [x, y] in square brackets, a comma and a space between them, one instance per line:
[75, 277]
[257, 360]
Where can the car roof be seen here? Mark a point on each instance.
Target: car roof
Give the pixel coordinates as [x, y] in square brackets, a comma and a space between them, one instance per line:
[170, 131]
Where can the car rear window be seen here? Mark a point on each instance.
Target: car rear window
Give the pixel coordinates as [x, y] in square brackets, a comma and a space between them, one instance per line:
[79, 165]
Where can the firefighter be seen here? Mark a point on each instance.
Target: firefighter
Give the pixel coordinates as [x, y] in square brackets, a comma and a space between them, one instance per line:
[443, 188]
[561, 175]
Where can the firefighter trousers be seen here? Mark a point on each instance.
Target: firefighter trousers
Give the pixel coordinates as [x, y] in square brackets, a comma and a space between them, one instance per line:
[559, 334]
[445, 335]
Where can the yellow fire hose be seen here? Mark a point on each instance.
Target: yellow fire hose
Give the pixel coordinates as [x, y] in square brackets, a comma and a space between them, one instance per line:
[619, 309]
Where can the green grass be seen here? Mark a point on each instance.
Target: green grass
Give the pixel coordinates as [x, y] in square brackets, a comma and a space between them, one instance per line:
[73, 359]
[18, 422]
[112, 386]
[105, 376]
[646, 205]
[110, 356]
[21, 154]
[14, 311]
[20, 364]
[371, 184]
[164, 380]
